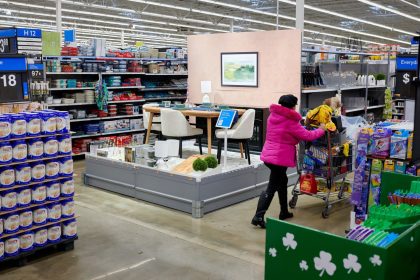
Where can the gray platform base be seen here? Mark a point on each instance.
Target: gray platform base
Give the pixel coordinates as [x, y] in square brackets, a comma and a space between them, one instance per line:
[196, 196]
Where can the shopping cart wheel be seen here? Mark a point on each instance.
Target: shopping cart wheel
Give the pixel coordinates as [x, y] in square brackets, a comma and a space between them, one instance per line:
[325, 213]
[293, 201]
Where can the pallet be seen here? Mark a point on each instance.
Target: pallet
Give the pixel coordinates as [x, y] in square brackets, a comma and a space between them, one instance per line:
[22, 259]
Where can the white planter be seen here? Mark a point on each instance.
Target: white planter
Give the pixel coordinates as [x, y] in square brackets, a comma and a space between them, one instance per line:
[380, 83]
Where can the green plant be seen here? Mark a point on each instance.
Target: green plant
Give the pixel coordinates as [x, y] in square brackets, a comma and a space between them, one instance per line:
[380, 77]
[211, 161]
[199, 165]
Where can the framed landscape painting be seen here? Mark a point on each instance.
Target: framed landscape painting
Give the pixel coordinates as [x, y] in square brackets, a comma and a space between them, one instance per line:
[239, 69]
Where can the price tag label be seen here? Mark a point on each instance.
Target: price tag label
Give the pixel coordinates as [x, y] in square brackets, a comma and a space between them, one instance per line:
[36, 71]
[4, 45]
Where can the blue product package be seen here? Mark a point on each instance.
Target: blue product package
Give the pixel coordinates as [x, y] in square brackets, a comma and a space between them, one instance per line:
[20, 151]
[23, 174]
[400, 167]
[6, 152]
[11, 223]
[67, 208]
[50, 146]
[11, 246]
[35, 148]
[38, 171]
[67, 187]
[66, 166]
[18, 122]
[41, 237]
[64, 144]
[24, 196]
[54, 234]
[61, 121]
[40, 215]
[52, 169]
[48, 122]
[39, 194]
[69, 229]
[54, 212]
[33, 124]
[399, 143]
[26, 241]
[7, 177]
[5, 127]
[25, 219]
[53, 190]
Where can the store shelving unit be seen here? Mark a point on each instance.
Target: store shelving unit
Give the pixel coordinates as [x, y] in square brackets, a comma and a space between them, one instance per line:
[155, 94]
[312, 97]
[403, 109]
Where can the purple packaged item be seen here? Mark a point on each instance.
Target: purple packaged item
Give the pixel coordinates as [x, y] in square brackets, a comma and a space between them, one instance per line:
[381, 142]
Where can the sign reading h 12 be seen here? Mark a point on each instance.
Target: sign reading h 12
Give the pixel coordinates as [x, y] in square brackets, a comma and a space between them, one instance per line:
[226, 118]
[29, 32]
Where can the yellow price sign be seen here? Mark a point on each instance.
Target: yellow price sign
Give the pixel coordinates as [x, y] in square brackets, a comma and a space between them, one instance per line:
[139, 44]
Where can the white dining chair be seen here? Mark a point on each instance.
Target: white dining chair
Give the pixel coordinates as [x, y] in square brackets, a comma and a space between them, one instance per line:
[240, 133]
[156, 124]
[176, 126]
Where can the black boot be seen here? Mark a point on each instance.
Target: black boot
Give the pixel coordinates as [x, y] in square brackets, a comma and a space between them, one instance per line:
[284, 210]
[263, 204]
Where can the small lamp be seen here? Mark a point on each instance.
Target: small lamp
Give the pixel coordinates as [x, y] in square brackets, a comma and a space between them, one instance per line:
[206, 89]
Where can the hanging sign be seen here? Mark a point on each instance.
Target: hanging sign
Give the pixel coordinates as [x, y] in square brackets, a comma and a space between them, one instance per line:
[29, 32]
[406, 63]
[70, 36]
[13, 83]
[51, 44]
[139, 44]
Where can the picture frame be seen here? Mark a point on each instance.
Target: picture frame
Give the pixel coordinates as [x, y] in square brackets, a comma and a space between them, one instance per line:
[239, 69]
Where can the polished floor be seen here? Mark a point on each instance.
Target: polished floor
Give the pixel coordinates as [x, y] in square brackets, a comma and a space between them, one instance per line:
[123, 238]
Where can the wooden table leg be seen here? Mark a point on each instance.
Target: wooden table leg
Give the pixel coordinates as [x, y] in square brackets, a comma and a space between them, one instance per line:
[241, 148]
[209, 136]
[149, 127]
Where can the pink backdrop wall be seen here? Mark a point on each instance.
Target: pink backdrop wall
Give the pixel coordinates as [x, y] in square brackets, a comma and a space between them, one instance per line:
[279, 66]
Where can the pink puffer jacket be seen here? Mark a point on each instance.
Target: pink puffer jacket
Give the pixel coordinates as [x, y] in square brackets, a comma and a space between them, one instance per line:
[284, 132]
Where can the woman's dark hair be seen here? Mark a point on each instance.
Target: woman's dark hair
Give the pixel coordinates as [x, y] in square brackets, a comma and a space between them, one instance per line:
[288, 101]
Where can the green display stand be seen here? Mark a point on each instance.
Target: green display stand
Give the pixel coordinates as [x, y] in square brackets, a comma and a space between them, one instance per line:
[393, 181]
[296, 252]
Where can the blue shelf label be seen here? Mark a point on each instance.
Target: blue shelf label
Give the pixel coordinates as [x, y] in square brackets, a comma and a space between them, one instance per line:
[12, 64]
[38, 66]
[407, 63]
[226, 118]
[25, 91]
[29, 32]
[6, 33]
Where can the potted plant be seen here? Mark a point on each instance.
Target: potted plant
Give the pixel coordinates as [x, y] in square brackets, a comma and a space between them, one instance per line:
[380, 80]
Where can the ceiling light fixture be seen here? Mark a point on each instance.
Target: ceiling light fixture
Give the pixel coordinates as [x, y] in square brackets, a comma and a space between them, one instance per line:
[391, 10]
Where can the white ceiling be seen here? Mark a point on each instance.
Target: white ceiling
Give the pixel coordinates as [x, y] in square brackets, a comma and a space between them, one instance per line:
[168, 22]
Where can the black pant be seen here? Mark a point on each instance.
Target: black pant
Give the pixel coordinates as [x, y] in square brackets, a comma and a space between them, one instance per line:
[278, 183]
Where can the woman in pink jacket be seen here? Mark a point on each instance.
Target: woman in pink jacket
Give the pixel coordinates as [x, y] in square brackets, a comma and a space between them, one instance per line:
[284, 132]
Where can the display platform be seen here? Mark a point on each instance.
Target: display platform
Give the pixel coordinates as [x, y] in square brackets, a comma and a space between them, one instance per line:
[195, 193]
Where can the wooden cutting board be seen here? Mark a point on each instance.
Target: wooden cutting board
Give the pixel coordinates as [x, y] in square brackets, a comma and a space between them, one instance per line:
[186, 166]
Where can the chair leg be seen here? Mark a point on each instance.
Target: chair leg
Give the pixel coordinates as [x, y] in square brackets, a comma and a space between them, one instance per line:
[180, 148]
[199, 145]
[241, 149]
[247, 152]
[219, 150]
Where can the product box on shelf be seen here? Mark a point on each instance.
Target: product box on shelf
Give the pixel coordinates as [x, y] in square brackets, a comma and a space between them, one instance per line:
[136, 124]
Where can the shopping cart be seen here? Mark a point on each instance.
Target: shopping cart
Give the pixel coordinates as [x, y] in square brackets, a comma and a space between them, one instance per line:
[330, 161]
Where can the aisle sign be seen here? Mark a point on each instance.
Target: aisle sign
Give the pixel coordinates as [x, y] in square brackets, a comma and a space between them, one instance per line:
[8, 64]
[70, 36]
[29, 32]
[13, 83]
[406, 63]
[226, 119]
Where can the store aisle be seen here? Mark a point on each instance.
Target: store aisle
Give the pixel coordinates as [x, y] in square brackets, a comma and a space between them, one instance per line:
[122, 238]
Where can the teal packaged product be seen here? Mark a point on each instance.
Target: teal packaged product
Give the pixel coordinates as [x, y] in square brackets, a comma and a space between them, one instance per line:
[67, 187]
[11, 223]
[25, 219]
[69, 229]
[50, 146]
[52, 169]
[18, 125]
[23, 174]
[39, 194]
[53, 190]
[11, 246]
[41, 237]
[26, 241]
[64, 145]
[399, 142]
[35, 148]
[66, 166]
[54, 234]
[5, 127]
[48, 122]
[9, 200]
[24, 196]
[6, 152]
[68, 208]
[38, 171]
[33, 124]
[20, 151]
[400, 167]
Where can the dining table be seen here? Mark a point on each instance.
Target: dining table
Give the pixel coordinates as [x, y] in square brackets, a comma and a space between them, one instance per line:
[206, 113]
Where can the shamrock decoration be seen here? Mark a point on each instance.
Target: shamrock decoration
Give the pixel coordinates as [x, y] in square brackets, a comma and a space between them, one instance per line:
[351, 264]
[289, 241]
[272, 252]
[375, 260]
[323, 263]
[303, 265]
